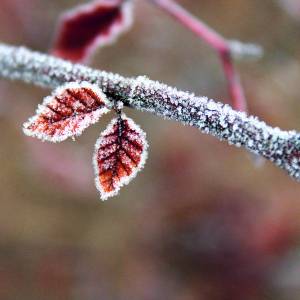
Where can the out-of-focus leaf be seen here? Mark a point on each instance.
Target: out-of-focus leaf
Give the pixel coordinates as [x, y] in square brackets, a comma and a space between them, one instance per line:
[89, 26]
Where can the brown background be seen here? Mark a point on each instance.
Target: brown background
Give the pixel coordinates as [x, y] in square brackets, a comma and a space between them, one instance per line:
[201, 221]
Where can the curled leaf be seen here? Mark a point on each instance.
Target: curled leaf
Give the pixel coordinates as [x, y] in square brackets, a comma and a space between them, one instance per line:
[120, 152]
[67, 112]
[90, 26]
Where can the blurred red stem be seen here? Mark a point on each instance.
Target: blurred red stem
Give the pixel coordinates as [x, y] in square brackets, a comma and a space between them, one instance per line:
[216, 41]
[235, 88]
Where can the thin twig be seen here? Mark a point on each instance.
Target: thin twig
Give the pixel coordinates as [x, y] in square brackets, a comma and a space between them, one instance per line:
[217, 119]
[225, 48]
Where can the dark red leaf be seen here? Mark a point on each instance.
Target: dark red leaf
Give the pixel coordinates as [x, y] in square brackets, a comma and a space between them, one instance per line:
[67, 112]
[90, 26]
[120, 152]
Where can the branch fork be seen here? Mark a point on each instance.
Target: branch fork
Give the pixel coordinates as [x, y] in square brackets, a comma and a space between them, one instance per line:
[226, 49]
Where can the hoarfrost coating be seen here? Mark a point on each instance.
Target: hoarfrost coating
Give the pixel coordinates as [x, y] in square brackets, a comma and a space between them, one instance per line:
[217, 119]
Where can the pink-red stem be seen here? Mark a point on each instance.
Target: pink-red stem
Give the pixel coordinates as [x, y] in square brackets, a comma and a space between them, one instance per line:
[216, 41]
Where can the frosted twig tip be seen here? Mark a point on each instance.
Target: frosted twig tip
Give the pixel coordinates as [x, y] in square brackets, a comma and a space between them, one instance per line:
[245, 51]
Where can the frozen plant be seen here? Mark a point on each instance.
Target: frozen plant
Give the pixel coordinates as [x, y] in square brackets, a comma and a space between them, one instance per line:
[82, 95]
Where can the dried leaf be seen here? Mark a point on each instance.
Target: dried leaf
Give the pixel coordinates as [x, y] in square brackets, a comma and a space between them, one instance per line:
[67, 112]
[120, 152]
[90, 26]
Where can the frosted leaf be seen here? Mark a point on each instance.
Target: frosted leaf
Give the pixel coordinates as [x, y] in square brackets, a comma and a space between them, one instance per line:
[120, 153]
[67, 112]
[89, 26]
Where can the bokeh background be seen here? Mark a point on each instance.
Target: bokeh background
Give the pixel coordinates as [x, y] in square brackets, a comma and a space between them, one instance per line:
[204, 220]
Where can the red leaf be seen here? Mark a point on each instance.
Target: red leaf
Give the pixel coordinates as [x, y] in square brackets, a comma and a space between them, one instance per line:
[67, 112]
[90, 26]
[120, 152]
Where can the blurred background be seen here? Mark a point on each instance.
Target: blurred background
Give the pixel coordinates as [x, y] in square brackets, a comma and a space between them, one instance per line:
[203, 220]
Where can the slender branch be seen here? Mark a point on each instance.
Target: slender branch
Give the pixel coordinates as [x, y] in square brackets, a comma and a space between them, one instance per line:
[225, 48]
[235, 88]
[217, 119]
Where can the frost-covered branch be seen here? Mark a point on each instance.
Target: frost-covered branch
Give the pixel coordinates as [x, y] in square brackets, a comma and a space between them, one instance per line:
[226, 49]
[217, 119]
